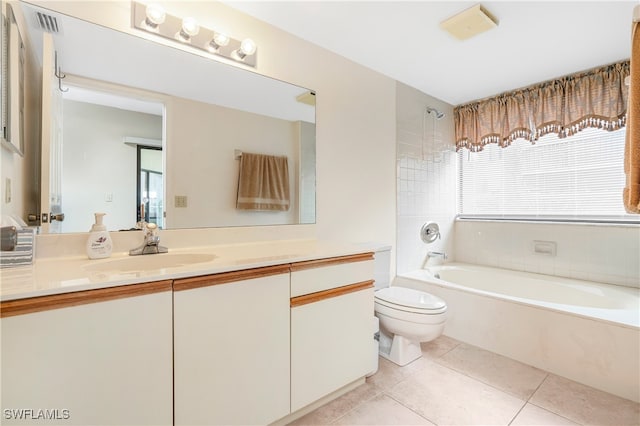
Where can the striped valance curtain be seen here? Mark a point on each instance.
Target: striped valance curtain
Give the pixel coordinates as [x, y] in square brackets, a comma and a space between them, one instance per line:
[596, 98]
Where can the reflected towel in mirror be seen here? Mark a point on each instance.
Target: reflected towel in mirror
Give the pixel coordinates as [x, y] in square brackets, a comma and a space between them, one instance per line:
[263, 182]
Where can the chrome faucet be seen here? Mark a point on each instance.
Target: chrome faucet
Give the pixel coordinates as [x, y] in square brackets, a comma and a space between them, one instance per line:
[442, 254]
[151, 244]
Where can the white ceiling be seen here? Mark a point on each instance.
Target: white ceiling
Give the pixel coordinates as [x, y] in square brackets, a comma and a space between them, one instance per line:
[534, 41]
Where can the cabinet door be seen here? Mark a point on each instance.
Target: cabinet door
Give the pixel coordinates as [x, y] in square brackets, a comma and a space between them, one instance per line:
[330, 342]
[232, 348]
[96, 361]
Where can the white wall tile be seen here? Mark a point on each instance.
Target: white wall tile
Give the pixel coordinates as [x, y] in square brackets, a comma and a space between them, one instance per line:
[604, 253]
[426, 179]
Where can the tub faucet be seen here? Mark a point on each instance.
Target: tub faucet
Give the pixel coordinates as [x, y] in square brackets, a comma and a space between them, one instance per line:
[151, 244]
[442, 254]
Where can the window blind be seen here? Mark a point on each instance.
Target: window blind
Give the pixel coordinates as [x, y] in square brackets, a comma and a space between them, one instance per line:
[578, 178]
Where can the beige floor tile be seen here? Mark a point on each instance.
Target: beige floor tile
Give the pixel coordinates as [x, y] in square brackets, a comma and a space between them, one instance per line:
[338, 407]
[438, 347]
[584, 404]
[532, 415]
[390, 374]
[504, 373]
[446, 397]
[382, 410]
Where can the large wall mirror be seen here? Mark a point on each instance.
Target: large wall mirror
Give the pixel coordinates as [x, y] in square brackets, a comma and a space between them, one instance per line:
[141, 123]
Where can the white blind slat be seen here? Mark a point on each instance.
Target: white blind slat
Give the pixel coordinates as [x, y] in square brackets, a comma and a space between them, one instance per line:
[574, 178]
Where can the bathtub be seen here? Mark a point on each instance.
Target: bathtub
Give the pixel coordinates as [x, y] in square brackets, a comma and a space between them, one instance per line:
[586, 331]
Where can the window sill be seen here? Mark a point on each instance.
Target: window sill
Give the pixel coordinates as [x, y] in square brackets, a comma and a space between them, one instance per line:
[568, 222]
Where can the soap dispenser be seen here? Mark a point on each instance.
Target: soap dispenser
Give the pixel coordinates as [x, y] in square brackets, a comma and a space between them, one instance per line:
[99, 243]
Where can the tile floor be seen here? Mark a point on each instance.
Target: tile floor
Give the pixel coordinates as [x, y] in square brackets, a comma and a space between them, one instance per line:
[458, 384]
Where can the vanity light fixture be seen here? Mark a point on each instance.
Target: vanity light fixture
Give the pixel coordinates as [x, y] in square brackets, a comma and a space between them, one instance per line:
[152, 18]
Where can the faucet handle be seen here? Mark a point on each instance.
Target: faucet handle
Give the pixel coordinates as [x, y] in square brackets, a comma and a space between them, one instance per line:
[150, 229]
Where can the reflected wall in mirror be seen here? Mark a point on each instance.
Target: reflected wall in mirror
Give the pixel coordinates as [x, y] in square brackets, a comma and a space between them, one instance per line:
[123, 88]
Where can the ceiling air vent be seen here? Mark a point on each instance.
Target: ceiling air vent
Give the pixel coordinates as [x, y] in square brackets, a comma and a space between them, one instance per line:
[47, 23]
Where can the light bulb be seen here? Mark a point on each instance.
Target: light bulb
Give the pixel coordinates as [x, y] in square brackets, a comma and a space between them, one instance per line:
[248, 47]
[221, 39]
[218, 41]
[155, 16]
[190, 26]
[189, 29]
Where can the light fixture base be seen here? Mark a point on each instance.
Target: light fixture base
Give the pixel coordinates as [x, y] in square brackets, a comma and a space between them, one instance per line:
[173, 25]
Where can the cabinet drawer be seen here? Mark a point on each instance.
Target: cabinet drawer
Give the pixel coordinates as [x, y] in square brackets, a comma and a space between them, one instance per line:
[320, 275]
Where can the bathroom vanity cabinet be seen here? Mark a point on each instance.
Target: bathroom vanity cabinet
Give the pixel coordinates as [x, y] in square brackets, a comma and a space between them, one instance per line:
[231, 339]
[247, 346]
[93, 357]
[331, 332]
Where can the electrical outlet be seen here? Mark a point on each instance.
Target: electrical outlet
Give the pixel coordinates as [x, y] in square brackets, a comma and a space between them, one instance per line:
[7, 190]
[108, 197]
[180, 201]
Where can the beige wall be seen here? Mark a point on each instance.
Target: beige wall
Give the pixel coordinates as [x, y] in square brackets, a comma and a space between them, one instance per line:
[355, 115]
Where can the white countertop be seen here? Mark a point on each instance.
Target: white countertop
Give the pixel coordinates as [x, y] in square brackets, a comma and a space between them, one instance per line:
[75, 273]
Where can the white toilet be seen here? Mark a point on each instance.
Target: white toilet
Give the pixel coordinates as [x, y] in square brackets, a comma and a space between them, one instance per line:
[407, 316]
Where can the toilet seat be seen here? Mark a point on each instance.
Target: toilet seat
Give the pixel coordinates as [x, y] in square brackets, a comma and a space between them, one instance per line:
[410, 300]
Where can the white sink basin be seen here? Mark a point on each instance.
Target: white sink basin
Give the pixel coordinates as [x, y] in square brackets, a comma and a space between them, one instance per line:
[150, 262]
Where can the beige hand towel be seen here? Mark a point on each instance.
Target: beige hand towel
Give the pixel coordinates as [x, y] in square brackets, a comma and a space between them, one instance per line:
[263, 183]
[631, 194]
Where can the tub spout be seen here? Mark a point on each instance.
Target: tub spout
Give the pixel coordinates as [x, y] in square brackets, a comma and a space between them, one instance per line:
[442, 254]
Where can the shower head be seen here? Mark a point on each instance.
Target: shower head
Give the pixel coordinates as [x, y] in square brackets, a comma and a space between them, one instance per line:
[439, 114]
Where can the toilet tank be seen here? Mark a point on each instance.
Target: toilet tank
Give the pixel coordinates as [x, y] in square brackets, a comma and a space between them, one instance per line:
[382, 266]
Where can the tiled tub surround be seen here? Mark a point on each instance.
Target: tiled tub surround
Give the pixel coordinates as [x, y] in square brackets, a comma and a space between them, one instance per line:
[459, 384]
[591, 339]
[592, 252]
[425, 176]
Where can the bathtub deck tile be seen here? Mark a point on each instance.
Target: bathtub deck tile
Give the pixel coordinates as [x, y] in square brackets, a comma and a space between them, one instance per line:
[585, 405]
[504, 373]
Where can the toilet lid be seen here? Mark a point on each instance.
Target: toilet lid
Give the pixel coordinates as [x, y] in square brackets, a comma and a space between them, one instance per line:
[410, 298]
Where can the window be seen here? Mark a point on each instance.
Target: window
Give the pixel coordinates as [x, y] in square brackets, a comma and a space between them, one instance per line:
[578, 178]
